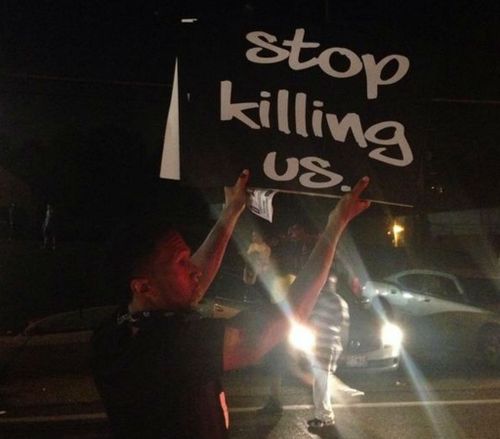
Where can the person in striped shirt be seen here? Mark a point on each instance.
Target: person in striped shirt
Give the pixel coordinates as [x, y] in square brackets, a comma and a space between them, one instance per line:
[330, 322]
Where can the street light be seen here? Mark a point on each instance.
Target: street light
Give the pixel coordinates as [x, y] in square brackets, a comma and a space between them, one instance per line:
[397, 230]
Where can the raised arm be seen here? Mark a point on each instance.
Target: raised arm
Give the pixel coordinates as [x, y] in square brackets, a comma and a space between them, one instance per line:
[312, 277]
[209, 256]
[250, 334]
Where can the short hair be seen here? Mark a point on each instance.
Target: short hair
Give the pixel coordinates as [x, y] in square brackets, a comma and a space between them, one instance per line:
[129, 249]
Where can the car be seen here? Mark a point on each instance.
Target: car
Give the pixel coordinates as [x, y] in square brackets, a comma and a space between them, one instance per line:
[60, 343]
[441, 315]
[374, 343]
[57, 343]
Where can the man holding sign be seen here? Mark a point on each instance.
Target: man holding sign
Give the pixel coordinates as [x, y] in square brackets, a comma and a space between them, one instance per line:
[157, 365]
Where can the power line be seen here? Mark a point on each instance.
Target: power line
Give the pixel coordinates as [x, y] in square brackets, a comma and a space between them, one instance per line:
[86, 80]
[466, 101]
[168, 85]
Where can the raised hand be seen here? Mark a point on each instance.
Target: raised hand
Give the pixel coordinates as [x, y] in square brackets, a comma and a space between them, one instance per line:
[236, 196]
[350, 205]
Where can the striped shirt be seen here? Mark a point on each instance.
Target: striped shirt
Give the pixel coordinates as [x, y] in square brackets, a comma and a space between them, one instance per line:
[330, 321]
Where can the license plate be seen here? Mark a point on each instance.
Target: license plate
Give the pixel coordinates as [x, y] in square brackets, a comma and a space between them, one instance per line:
[356, 361]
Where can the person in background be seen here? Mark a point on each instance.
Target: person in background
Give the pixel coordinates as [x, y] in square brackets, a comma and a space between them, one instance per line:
[291, 255]
[156, 364]
[49, 227]
[330, 324]
[277, 361]
[296, 248]
[257, 259]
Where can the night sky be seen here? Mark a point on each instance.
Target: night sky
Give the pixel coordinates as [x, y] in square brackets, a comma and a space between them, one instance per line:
[84, 91]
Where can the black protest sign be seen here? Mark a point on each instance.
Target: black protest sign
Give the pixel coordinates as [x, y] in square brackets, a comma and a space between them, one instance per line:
[305, 109]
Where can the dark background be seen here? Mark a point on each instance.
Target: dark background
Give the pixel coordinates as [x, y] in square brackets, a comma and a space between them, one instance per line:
[85, 86]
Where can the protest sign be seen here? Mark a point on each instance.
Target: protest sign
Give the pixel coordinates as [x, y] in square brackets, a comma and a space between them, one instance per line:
[305, 109]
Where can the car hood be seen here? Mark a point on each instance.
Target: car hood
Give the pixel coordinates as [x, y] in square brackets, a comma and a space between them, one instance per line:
[364, 329]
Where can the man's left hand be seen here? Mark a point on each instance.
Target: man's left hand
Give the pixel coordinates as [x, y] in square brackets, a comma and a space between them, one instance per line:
[236, 196]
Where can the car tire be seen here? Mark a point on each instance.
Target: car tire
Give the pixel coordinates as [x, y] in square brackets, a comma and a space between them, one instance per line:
[489, 346]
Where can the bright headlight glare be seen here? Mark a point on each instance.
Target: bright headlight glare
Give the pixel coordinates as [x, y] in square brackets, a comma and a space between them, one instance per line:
[302, 338]
[391, 334]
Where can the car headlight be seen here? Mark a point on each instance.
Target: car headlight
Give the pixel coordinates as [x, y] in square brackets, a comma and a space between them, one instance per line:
[391, 335]
[302, 338]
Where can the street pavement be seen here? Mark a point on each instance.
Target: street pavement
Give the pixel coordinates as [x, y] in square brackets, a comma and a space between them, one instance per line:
[447, 406]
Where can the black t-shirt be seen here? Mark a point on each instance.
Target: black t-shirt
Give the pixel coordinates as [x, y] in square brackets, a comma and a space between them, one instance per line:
[164, 380]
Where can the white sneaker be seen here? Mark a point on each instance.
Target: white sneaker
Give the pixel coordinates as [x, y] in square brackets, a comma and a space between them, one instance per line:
[353, 392]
